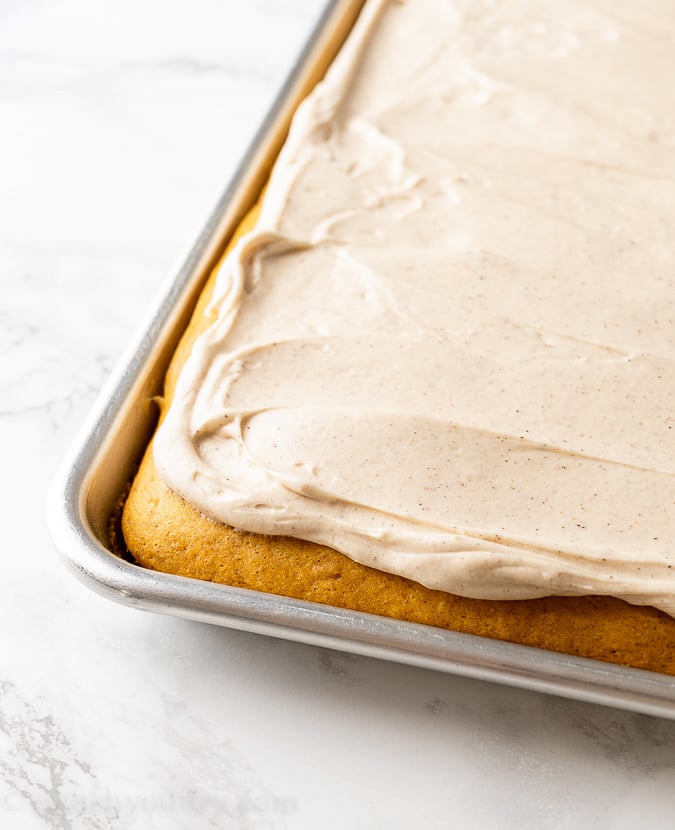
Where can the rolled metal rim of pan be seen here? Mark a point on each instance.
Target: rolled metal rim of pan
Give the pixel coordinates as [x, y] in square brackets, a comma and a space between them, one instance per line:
[69, 512]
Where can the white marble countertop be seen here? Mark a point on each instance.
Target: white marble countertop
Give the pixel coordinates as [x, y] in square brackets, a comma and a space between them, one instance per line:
[120, 123]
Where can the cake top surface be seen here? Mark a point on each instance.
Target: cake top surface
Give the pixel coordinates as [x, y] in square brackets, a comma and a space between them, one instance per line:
[448, 347]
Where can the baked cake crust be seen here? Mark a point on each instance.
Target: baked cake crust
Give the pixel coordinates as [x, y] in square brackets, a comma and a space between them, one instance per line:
[165, 533]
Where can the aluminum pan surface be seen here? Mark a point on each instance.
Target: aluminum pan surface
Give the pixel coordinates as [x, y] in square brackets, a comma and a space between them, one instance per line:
[84, 494]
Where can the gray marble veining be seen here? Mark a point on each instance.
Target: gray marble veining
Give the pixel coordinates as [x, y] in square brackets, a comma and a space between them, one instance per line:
[120, 125]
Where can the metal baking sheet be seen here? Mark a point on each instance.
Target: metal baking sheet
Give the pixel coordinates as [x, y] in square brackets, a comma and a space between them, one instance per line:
[85, 494]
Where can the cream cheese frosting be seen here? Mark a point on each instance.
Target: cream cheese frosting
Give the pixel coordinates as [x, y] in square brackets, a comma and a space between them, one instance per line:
[447, 349]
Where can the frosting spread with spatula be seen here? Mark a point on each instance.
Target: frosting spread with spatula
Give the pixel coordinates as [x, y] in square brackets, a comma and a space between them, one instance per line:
[448, 347]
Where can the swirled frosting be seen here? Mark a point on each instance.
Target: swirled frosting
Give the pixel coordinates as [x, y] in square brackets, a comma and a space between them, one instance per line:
[448, 347]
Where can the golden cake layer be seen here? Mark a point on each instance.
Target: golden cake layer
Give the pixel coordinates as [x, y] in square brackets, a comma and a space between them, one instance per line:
[443, 342]
[165, 533]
